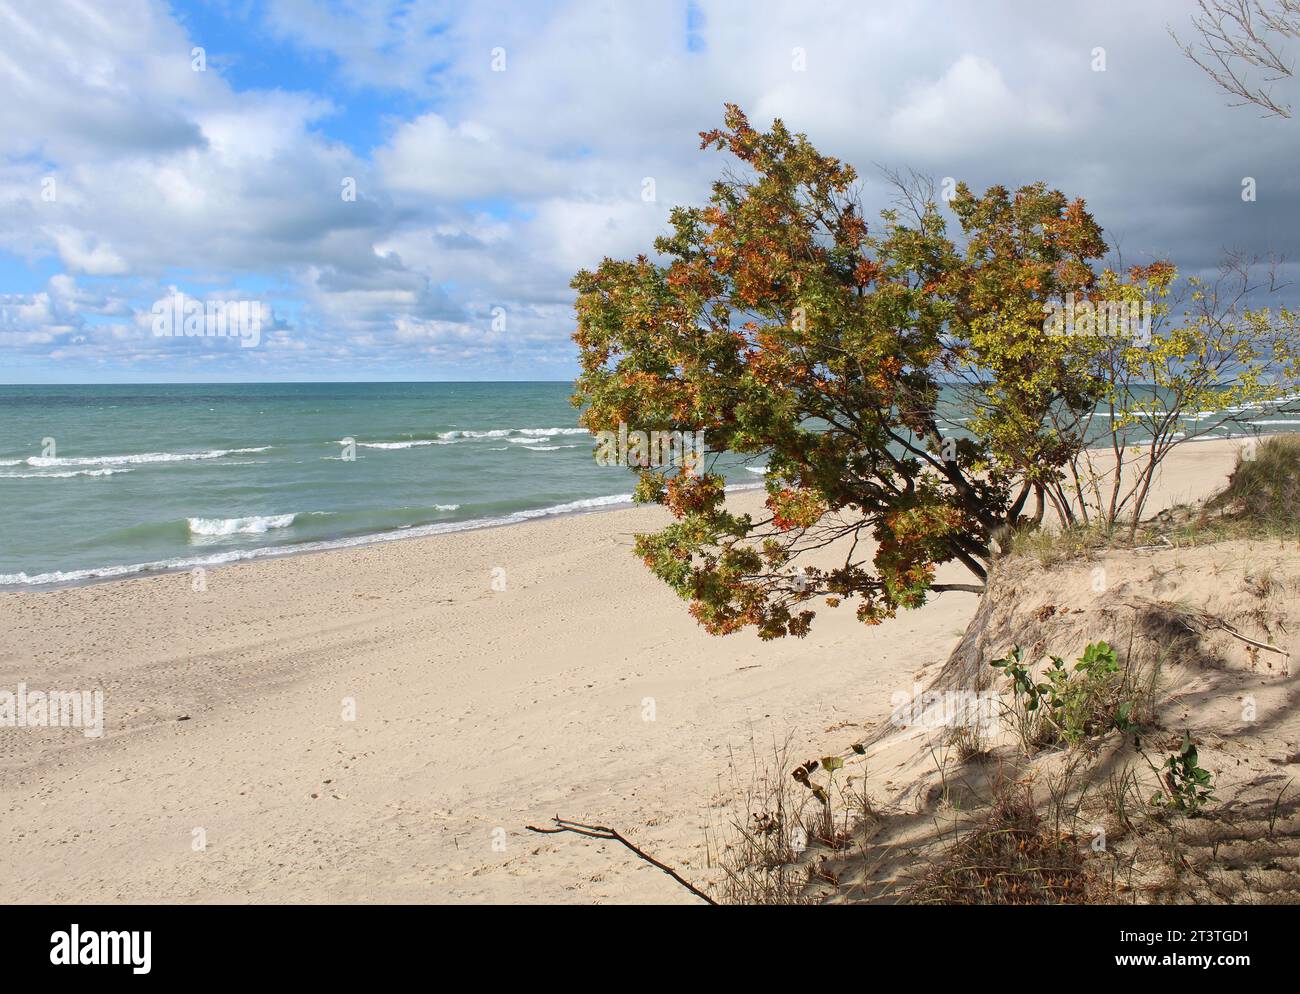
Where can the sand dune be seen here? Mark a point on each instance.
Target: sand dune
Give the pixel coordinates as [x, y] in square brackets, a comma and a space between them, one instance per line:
[228, 770]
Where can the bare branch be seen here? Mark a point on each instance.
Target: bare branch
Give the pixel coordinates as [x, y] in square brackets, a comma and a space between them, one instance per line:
[970, 588]
[1237, 36]
[610, 835]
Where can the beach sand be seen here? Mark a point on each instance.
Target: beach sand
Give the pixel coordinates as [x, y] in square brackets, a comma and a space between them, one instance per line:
[228, 771]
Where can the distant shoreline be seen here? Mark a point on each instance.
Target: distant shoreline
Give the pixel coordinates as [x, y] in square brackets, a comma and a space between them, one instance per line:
[221, 475]
[242, 557]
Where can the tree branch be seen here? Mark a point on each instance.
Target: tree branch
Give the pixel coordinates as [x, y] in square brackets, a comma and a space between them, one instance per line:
[610, 835]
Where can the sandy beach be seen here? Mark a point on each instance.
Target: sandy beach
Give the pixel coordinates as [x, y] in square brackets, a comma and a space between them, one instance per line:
[380, 723]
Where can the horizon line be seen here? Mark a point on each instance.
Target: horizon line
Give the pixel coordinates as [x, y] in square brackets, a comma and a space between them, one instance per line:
[251, 383]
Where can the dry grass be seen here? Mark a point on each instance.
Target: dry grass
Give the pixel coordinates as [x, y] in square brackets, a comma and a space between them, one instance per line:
[1265, 490]
[776, 836]
[1261, 501]
[1012, 857]
[1051, 546]
[968, 740]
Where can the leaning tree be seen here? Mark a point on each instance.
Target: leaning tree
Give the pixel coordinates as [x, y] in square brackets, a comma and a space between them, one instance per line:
[910, 402]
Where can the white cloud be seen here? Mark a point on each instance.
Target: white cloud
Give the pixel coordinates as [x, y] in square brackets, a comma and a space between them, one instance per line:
[970, 102]
[468, 160]
[81, 253]
[492, 188]
[83, 78]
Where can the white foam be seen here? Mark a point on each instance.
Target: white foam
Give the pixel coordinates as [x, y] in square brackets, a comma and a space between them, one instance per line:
[496, 433]
[265, 552]
[542, 433]
[137, 458]
[239, 555]
[256, 524]
[415, 443]
[586, 504]
[105, 471]
[523, 436]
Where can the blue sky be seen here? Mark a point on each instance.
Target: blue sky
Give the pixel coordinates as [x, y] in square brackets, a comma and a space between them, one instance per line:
[496, 148]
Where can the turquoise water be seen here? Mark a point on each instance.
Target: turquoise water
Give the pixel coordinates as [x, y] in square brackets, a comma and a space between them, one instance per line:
[102, 481]
[173, 476]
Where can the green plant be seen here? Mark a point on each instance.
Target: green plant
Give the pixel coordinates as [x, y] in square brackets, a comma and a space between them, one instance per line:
[1069, 705]
[1187, 787]
[1091, 702]
[1024, 713]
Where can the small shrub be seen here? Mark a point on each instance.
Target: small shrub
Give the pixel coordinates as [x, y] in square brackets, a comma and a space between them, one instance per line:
[1070, 705]
[1026, 717]
[1091, 699]
[1188, 788]
[775, 836]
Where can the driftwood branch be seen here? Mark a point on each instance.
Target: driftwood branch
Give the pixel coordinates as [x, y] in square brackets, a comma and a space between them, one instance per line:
[608, 834]
[1201, 622]
[1223, 626]
[1209, 623]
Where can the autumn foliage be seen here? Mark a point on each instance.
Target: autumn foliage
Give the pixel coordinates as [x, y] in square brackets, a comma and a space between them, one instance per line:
[782, 324]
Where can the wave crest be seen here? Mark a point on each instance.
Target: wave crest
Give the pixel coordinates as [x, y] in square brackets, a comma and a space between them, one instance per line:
[46, 462]
[104, 471]
[256, 524]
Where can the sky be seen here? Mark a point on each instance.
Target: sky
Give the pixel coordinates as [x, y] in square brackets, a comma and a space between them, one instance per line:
[405, 189]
